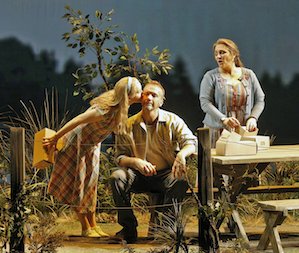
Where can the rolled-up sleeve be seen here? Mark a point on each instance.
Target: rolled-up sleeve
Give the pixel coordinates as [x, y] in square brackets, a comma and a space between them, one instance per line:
[184, 135]
[123, 147]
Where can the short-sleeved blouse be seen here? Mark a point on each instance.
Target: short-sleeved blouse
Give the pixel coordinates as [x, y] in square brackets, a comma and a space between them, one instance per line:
[76, 169]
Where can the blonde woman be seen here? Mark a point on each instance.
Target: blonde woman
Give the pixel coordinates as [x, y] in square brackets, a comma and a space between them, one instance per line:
[76, 168]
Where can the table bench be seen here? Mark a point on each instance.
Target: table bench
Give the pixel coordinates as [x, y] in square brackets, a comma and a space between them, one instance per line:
[275, 213]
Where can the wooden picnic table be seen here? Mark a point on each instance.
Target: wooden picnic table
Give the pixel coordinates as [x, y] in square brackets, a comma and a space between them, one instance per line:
[212, 166]
[275, 213]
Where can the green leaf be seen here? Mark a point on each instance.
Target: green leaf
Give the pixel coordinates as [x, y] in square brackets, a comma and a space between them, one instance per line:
[123, 58]
[76, 31]
[65, 15]
[117, 39]
[137, 48]
[165, 51]
[97, 14]
[108, 50]
[135, 36]
[93, 65]
[110, 12]
[67, 7]
[75, 75]
[165, 71]
[75, 45]
[126, 48]
[76, 93]
[69, 45]
[95, 74]
[117, 75]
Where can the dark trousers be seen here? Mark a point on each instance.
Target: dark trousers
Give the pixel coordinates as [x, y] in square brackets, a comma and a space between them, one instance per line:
[125, 181]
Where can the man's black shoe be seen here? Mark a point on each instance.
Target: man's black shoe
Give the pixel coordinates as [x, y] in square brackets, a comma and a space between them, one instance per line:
[127, 234]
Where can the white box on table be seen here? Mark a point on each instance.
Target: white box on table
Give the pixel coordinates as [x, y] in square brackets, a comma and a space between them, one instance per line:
[263, 142]
[230, 143]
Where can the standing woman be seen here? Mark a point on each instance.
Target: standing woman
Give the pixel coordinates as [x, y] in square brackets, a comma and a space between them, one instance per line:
[231, 94]
[76, 169]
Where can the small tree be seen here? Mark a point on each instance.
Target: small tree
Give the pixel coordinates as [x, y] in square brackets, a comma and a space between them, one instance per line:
[87, 35]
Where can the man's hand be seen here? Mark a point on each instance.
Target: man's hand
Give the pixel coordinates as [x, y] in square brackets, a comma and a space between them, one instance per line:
[178, 166]
[145, 168]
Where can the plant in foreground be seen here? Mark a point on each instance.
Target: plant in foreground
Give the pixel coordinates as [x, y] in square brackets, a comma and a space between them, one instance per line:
[171, 231]
[44, 237]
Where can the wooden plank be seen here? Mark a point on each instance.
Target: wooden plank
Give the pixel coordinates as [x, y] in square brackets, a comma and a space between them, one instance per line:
[273, 154]
[272, 219]
[279, 205]
[272, 189]
[17, 153]
[275, 241]
[265, 239]
[240, 231]
[205, 170]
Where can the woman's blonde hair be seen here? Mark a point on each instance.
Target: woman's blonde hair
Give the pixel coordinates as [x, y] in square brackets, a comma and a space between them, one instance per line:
[117, 101]
[232, 47]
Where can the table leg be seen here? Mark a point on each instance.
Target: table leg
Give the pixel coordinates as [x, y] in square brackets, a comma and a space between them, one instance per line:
[239, 229]
[272, 219]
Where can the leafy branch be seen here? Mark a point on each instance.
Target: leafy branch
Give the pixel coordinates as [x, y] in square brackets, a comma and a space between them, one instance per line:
[87, 35]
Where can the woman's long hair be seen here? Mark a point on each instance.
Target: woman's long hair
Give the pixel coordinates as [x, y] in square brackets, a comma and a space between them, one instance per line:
[232, 47]
[117, 101]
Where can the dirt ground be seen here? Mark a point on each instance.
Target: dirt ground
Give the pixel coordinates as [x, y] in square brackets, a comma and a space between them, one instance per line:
[289, 233]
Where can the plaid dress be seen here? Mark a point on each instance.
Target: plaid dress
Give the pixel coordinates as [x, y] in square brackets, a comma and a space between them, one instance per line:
[75, 173]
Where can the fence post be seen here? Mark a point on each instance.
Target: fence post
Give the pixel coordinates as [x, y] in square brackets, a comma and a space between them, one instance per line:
[17, 154]
[205, 170]
[205, 185]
